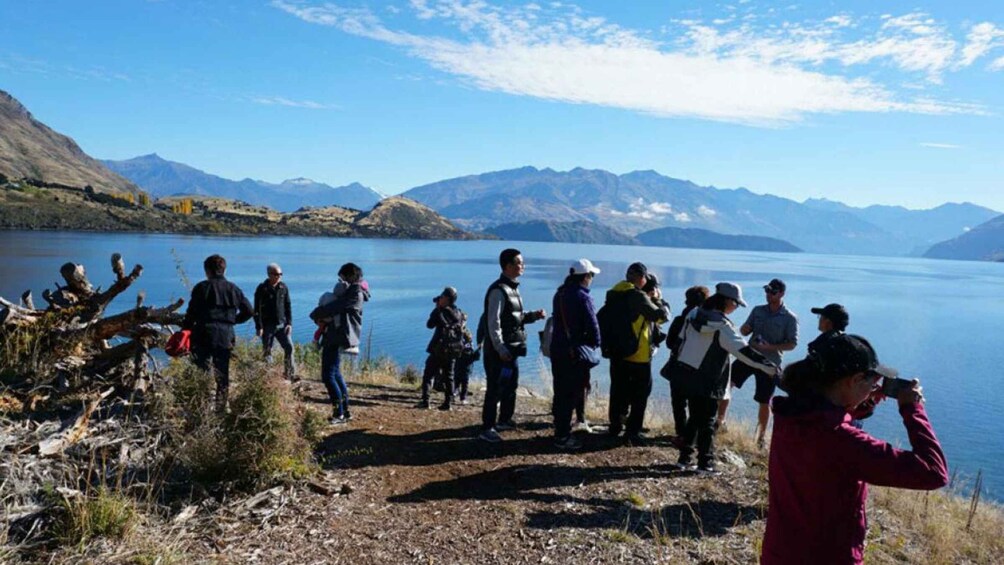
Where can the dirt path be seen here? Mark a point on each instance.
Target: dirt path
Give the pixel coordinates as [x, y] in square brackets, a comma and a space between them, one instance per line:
[424, 491]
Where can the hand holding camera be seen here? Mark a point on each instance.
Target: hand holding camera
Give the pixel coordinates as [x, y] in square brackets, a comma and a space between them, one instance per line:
[905, 391]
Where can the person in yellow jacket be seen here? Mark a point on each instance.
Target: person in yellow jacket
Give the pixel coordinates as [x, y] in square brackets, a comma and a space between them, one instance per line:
[631, 374]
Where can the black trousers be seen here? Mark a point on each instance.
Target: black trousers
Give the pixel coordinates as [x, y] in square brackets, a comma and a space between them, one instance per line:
[502, 380]
[700, 429]
[679, 402]
[219, 359]
[569, 392]
[441, 368]
[630, 386]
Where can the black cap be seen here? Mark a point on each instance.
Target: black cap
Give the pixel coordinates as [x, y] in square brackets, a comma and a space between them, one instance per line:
[638, 269]
[834, 313]
[449, 292]
[652, 283]
[847, 354]
[775, 285]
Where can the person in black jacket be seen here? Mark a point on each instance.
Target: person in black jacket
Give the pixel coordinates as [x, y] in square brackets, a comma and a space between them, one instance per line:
[504, 337]
[273, 317]
[444, 348]
[216, 305]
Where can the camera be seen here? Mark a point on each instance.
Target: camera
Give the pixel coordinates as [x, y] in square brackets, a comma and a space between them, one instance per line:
[891, 386]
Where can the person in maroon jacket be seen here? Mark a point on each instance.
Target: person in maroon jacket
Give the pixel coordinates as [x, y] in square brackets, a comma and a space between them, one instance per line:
[820, 466]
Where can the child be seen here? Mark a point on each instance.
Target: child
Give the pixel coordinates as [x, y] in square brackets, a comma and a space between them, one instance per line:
[335, 322]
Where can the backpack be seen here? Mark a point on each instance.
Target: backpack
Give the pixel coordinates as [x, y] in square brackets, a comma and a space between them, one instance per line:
[617, 338]
[179, 344]
[545, 337]
[451, 341]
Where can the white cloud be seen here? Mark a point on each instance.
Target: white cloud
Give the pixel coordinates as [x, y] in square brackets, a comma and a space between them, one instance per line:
[706, 212]
[759, 76]
[940, 145]
[997, 64]
[982, 39]
[280, 101]
[682, 217]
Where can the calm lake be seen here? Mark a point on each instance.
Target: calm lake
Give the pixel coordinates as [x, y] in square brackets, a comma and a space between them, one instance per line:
[941, 321]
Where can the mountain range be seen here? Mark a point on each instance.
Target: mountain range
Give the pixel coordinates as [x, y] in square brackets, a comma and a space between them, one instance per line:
[161, 178]
[30, 149]
[640, 201]
[985, 242]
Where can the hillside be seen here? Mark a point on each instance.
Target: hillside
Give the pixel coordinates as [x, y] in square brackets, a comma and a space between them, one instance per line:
[985, 242]
[26, 207]
[30, 149]
[161, 178]
[703, 239]
[645, 200]
[564, 232]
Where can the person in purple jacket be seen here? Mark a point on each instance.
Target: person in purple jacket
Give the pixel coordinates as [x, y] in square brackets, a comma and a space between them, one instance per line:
[574, 325]
[820, 465]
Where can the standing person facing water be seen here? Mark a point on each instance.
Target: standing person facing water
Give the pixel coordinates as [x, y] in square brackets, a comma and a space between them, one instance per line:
[774, 330]
[216, 306]
[273, 317]
[703, 370]
[574, 325]
[345, 335]
[820, 466]
[693, 298]
[445, 347]
[502, 330]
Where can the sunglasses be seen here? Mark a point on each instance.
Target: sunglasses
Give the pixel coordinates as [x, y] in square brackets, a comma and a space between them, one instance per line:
[275, 274]
[772, 291]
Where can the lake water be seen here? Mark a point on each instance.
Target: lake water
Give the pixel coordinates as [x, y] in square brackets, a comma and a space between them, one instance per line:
[941, 321]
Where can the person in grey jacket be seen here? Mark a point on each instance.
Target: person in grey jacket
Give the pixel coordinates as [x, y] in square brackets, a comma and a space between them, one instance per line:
[710, 339]
[349, 308]
[502, 328]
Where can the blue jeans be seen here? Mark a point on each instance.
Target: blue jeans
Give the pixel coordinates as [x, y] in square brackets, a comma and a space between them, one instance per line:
[331, 376]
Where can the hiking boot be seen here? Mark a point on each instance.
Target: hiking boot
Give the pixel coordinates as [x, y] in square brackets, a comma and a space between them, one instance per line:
[423, 405]
[445, 407]
[505, 426]
[568, 443]
[490, 436]
[635, 440]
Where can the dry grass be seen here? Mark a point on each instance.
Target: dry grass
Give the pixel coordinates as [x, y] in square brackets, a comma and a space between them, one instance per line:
[104, 513]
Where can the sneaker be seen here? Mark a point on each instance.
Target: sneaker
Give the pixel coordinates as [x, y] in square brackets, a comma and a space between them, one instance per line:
[423, 405]
[347, 416]
[490, 436]
[338, 420]
[707, 469]
[684, 463]
[583, 427]
[445, 407]
[506, 426]
[568, 443]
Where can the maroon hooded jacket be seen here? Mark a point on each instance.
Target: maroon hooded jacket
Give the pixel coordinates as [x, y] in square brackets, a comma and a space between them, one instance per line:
[819, 471]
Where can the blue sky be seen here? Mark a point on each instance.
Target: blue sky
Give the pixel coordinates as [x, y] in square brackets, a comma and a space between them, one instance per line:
[896, 104]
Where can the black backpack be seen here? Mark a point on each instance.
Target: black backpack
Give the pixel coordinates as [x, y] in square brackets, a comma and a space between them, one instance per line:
[451, 341]
[617, 338]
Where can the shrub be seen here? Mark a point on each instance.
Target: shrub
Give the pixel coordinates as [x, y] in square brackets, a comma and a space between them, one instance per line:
[101, 514]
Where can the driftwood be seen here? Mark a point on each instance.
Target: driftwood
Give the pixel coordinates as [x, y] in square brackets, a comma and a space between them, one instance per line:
[66, 345]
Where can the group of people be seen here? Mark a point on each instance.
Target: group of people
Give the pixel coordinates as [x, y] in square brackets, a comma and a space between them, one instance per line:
[820, 460]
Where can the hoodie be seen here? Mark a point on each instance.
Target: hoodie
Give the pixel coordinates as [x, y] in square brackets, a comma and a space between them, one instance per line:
[709, 338]
[349, 308]
[819, 471]
[644, 313]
